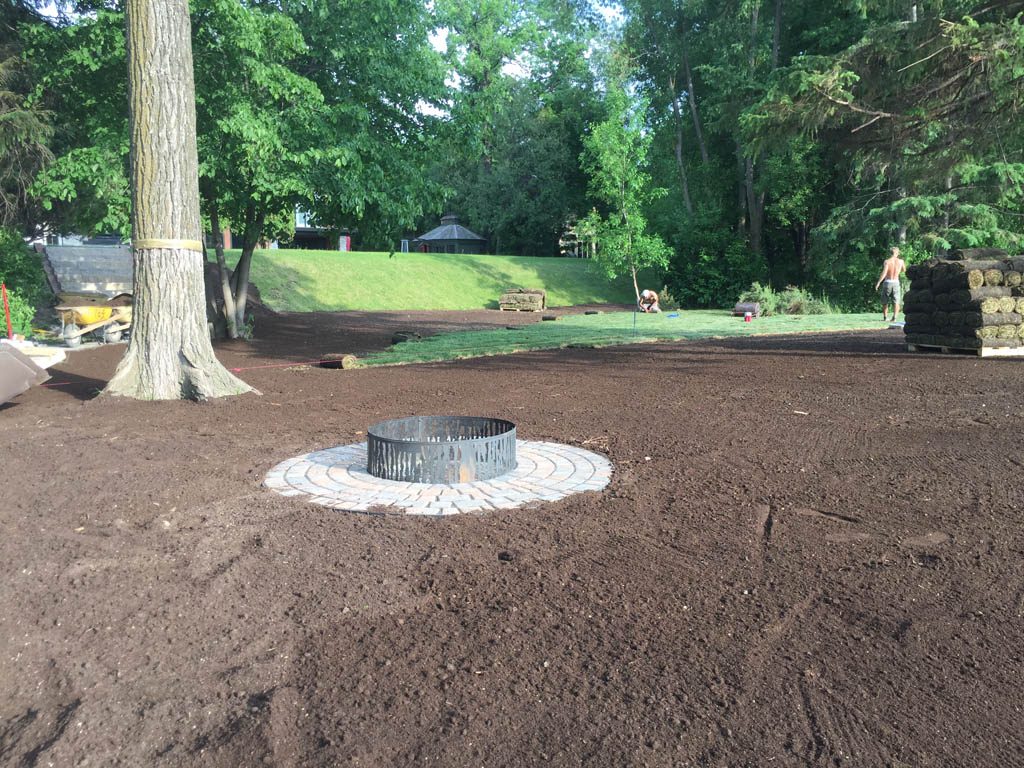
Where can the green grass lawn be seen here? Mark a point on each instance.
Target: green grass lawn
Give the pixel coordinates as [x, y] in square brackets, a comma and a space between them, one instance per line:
[312, 281]
[608, 330]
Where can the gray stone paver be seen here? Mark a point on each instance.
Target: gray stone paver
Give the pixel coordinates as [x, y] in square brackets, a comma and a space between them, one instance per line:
[337, 478]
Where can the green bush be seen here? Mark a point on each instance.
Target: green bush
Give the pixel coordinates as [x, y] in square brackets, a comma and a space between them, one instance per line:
[710, 268]
[22, 313]
[666, 300]
[763, 295]
[22, 272]
[789, 301]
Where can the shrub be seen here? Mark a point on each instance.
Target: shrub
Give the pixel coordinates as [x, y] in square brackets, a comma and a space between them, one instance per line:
[711, 267]
[666, 300]
[22, 272]
[790, 301]
[763, 295]
[22, 313]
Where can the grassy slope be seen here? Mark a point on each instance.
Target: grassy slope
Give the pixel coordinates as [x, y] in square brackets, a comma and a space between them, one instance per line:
[611, 329]
[309, 281]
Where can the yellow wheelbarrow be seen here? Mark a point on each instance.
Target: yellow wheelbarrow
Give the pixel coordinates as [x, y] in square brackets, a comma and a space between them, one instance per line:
[80, 315]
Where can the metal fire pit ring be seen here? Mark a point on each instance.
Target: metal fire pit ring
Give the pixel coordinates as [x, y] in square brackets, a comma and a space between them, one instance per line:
[441, 449]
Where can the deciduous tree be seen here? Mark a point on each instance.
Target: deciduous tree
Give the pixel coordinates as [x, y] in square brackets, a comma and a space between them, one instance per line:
[615, 156]
[169, 355]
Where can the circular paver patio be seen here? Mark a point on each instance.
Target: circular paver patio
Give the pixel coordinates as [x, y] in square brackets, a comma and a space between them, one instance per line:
[337, 478]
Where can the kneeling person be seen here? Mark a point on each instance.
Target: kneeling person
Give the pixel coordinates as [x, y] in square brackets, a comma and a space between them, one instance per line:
[649, 301]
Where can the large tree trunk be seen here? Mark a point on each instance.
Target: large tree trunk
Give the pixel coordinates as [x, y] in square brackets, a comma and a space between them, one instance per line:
[691, 97]
[240, 278]
[800, 230]
[169, 356]
[222, 272]
[754, 201]
[777, 35]
[680, 163]
[755, 207]
[741, 187]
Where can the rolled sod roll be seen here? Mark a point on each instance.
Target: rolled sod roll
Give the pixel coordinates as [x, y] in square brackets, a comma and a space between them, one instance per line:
[1007, 332]
[918, 296]
[944, 301]
[959, 342]
[919, 272]
[1016, 263]
[1001, 319]
[1007, 304]
[1012, 278]
[922, 282]
[982, 264]
[1019, 309]
[921, 308]
[971, 254]
[966, 297]
[986, 332]
[924, 318]
[1001, 343]
[993, 277]
[948, 276]
[989, 306]
[965, 280]
[1020, 331]
[940, 319]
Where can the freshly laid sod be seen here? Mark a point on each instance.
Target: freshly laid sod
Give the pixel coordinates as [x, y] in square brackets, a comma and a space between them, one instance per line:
[329, 281]
[609, 330]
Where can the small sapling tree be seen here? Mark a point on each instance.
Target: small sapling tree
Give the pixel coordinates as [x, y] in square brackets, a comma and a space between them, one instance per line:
[614, 156]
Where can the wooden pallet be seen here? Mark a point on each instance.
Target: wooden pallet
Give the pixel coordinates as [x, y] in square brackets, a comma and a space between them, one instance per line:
[983, 352]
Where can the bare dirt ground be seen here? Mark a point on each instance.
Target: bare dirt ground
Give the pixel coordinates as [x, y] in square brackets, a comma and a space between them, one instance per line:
[810, 554]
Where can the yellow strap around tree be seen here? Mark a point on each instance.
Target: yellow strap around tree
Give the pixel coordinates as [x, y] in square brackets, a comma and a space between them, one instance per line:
[156, 242]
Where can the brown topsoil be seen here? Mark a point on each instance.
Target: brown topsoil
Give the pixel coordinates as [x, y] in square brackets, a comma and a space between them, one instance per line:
[810, 554]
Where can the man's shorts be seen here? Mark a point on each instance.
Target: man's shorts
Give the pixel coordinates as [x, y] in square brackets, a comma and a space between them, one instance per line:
[891, 292]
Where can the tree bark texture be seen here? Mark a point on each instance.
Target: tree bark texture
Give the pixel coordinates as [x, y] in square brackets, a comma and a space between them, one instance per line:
[691, 98]
[753, 199]
[240, 278]
[755, 207]
[777, 35]
[741, 191]
[170, 356]
[222, 272]
[680, 162]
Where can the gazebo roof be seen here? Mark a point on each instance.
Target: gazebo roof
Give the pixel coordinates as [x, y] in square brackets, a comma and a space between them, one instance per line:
[450, 229]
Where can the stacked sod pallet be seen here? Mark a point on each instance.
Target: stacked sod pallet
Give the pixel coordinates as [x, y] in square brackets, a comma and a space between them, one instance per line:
[974, 300]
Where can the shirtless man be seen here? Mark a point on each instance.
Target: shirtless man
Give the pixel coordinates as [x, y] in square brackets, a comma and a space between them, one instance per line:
[889, 283]
[649, 301]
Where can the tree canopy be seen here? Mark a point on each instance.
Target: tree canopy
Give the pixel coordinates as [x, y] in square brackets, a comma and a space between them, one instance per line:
[794, 139]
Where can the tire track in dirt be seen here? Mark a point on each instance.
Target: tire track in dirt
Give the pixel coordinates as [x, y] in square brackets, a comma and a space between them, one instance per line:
[826, 437]
[765, 524]
[839, 733]
[1018, 602]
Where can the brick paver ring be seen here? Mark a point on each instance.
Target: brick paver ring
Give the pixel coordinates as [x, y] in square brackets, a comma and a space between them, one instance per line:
[337, 478]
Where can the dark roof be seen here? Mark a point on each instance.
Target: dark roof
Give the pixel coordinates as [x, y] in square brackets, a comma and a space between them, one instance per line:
[450, 229]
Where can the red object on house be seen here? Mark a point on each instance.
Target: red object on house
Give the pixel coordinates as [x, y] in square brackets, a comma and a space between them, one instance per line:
[7, 311]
